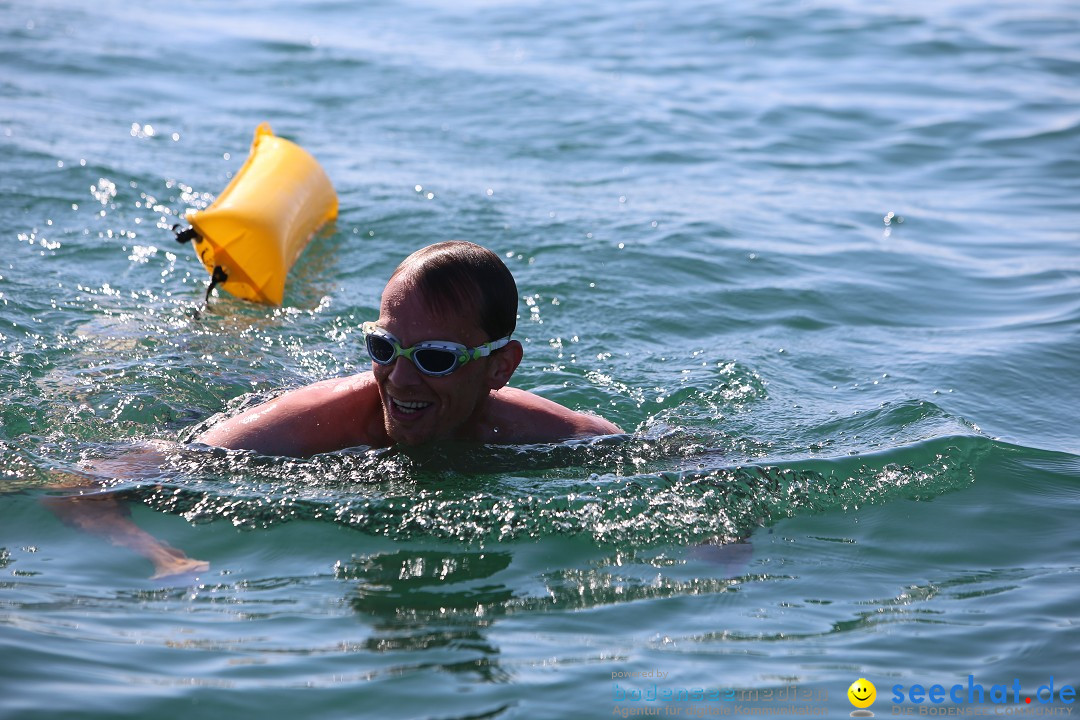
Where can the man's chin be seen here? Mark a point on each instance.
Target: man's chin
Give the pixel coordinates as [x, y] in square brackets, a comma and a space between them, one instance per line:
[409, 436]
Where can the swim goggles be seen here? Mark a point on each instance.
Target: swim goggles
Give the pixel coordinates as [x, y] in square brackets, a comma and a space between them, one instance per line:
[431, 357]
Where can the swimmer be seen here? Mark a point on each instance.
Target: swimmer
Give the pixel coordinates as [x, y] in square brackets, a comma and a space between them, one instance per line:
[442, 354]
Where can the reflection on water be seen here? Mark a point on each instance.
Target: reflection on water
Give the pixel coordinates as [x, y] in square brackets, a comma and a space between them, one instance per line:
[410, 583]
[423, 600]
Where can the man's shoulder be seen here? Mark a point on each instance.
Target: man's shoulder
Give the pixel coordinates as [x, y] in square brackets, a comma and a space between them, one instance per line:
[336, 387]
[322, 417]
[351, 401]
[521, 416]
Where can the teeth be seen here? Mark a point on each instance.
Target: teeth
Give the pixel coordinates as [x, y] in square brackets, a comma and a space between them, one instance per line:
[409, 407]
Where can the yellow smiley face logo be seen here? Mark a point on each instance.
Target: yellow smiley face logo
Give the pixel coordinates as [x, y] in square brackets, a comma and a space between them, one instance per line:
[862, 693]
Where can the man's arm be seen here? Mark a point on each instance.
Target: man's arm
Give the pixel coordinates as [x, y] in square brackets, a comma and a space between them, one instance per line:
[98, 512]
[323, 417]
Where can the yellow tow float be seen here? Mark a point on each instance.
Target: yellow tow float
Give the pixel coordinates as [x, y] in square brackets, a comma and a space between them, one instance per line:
[249, 238]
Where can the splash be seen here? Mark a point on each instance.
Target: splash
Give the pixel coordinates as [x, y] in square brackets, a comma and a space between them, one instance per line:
[399, 496]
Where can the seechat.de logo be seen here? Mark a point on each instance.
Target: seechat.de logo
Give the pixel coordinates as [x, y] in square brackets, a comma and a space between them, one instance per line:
[862, 694]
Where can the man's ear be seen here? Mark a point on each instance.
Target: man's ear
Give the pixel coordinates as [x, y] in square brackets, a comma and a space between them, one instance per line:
[504, 362]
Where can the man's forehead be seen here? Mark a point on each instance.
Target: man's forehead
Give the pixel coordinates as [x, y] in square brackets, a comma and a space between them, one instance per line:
[405, 306]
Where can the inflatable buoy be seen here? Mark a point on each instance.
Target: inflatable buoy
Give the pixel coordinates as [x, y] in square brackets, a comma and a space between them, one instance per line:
[249, 238]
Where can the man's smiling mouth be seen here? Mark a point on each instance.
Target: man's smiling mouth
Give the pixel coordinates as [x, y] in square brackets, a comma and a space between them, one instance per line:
[408, 408]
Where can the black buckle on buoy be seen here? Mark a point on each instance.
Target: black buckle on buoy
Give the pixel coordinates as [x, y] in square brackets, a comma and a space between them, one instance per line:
[218, 276]
[186, 236]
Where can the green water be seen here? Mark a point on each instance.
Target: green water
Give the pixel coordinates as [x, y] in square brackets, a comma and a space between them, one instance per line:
[818, 259]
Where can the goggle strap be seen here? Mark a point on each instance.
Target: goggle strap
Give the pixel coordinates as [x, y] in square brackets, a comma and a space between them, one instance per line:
[488, 348]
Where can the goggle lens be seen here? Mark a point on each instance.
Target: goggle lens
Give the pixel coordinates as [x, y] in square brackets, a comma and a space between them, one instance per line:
[379, 349]
[435, 362]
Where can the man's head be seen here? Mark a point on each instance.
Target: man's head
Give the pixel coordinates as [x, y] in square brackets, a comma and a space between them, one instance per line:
[464, 276]
[456, 292]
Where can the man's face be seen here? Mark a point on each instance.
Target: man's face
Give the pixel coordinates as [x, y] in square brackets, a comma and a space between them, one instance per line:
[418, 408]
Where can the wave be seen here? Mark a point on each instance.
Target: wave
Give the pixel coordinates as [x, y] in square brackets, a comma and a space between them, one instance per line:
[606, 489]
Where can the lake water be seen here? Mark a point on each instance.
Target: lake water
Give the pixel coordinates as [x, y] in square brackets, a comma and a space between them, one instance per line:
[820, 259]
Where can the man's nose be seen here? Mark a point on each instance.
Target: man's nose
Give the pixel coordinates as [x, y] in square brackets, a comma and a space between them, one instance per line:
[403, 372]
